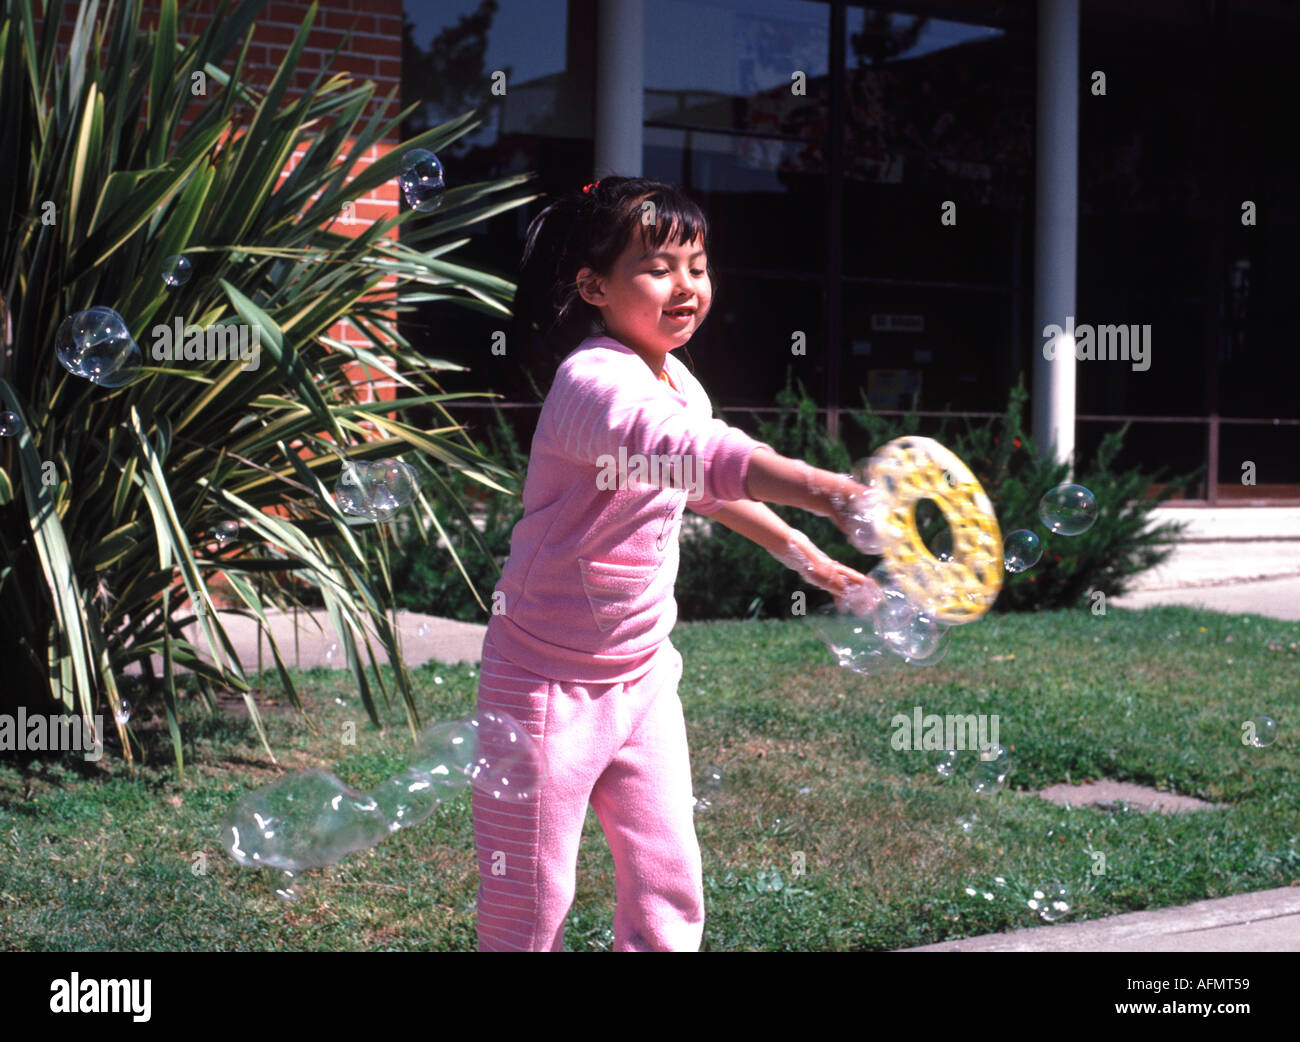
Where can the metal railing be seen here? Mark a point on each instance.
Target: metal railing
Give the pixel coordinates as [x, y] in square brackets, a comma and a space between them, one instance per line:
[1213, 425]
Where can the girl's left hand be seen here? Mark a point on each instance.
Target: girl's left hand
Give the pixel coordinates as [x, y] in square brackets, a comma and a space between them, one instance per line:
[801, 555]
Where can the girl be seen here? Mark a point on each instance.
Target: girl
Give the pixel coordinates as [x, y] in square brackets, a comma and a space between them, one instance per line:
[615, 278]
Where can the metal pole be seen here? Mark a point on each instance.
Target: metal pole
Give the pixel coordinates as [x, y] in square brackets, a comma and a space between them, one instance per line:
[835, 217]
[620, 87]
[1056, 152]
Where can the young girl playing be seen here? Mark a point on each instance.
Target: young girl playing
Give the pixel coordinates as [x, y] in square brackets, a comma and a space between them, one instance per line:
[578, 647]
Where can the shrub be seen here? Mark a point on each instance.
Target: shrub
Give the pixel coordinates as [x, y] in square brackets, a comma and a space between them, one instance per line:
[109, 497]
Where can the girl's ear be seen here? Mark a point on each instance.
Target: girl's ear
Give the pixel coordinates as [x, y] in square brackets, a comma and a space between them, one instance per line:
[591, 287]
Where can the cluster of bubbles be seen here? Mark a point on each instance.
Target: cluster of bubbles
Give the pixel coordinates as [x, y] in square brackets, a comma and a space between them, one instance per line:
[988, 775]
[96, 345]
[868, 632]
[1065, 510]
[421, 180]
[1050, 901]
[376, 490]
[310, 819]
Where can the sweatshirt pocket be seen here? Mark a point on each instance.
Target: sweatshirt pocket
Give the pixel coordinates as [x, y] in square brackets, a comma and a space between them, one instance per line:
[612, 589]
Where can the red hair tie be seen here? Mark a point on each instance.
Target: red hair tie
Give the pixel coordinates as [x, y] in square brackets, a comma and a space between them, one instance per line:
[586, 189]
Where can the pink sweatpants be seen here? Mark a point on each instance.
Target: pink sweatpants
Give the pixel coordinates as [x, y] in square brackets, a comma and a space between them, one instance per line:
[621, 747]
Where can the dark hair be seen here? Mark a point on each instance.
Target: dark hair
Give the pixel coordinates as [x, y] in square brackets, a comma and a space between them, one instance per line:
[588, 228]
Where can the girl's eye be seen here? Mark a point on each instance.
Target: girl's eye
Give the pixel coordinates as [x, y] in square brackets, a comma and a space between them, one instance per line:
[697, 272]
[659, 271]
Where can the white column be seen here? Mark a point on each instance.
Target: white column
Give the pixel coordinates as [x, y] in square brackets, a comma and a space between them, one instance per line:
[620, 87]
[1056, 153]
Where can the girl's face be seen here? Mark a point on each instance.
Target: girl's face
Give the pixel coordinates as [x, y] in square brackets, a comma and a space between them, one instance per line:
[653, 299]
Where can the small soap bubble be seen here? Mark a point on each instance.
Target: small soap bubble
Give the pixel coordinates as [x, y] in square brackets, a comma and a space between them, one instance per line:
[946, 765]
[226, 531]
[995, 754]
[422, 180]
[1021, 550]
[423, 630]
[290, 889]
[1051, 902]
[893, 615]
[376, 490]
[176, 271]
[1265, 732]
[10, 424]
[1068, 510]
[769, 881]
[988, 778]
[709, 786]
[329, 653]
[940, 546]
[922, 642]
[967, 825]
[123, 713]
[96, 345]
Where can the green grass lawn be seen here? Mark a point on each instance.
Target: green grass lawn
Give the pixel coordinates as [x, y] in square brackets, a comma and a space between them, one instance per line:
[95, 857]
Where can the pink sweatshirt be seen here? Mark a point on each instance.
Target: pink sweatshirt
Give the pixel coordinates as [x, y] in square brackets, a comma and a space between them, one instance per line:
[616, 458]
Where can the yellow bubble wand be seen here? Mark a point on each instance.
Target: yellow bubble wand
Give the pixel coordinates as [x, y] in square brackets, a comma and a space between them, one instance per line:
[963, 587]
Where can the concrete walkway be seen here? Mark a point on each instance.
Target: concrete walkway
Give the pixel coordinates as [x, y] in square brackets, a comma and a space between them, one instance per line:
[1267, 921]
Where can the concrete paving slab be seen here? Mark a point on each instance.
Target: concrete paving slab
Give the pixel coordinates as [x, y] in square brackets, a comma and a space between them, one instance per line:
[1106, 794]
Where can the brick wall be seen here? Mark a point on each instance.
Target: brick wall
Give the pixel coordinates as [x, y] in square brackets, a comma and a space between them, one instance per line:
[372, 53]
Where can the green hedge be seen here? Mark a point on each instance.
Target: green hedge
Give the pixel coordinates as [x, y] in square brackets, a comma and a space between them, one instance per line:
[723, 575]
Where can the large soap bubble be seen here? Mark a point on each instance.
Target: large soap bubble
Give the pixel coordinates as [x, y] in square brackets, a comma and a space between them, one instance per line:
[96, 345]
[306, 820]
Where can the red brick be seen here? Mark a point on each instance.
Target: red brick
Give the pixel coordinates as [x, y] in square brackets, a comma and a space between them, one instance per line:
[354, 20]
[355, 64]
[287, 12]
[378, 46]
[274, 34]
